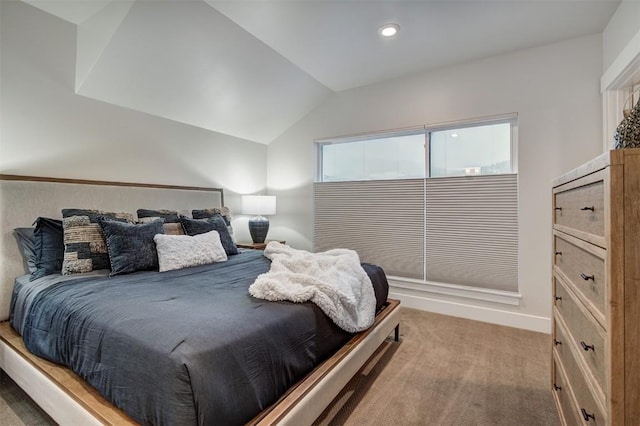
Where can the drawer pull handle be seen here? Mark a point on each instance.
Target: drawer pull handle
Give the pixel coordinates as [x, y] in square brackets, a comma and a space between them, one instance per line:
[587, 347]
[556, 387]
[586, 416]
[592, 208]
[558, 298]
[557, 342]
[587, 277]
[558, 208]
[558, 253]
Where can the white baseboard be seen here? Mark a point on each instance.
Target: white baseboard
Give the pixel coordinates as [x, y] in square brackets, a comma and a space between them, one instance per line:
[470, 311]
[459, 291]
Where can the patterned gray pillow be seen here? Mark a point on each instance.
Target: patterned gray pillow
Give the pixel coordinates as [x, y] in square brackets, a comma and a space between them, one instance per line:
[207, 213]
[85, 249]
[171, 218]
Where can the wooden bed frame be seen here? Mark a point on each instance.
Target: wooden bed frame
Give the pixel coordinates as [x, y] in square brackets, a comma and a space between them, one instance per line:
[69, 400]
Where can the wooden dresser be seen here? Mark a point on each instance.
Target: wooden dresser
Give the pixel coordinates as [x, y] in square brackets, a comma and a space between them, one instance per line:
[596, 290]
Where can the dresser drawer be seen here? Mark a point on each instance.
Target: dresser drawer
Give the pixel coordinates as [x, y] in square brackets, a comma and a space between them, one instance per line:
[584, 334]
[581, 206]
[584, 268]
[564, 399]
[588, 410]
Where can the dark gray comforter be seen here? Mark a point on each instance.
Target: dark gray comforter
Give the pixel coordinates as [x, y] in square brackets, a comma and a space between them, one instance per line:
[181, 347]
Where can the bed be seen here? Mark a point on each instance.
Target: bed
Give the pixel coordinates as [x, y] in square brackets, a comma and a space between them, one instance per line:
[313, 361]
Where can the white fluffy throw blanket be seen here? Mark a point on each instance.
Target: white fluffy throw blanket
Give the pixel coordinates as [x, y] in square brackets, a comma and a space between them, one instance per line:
[333, 280]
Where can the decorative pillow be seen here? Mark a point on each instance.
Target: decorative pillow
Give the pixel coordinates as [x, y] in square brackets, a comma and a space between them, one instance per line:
[214, 223]
[207, 213]
[169, 216]
[131, 247]
[180, 251]
[24, 238]
[85, 249]
[222, 211]
[48, 247]
[172, 225]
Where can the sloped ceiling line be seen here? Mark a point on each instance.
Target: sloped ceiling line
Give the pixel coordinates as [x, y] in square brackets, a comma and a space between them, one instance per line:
[187, 62]
[94, 34]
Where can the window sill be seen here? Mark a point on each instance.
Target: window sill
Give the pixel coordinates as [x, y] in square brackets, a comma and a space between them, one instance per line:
[468, 292]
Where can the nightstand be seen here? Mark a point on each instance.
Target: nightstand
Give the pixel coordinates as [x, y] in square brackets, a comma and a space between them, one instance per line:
[256, 246]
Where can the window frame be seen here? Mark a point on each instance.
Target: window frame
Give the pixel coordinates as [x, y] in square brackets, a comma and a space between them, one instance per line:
[320, 143]
[511, 119]
[426, 130]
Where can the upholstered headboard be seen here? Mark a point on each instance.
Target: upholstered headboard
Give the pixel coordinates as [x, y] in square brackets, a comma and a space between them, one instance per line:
[24, 198]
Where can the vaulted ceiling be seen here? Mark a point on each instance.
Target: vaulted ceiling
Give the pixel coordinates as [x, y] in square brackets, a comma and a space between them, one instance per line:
[251, 69]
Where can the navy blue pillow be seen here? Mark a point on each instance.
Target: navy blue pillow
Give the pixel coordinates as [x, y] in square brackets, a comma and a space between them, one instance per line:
[48, 241]
[24, 237]
[213, 223]
[131, 247]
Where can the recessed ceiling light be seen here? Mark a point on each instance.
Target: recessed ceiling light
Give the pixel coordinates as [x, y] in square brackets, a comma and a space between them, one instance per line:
[389, 30]
[454, 135]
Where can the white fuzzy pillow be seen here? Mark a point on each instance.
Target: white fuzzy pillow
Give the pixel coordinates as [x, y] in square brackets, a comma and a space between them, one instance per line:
[180, 251]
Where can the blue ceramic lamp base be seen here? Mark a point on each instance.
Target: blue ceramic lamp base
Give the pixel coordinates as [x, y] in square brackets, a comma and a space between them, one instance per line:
[258, 228]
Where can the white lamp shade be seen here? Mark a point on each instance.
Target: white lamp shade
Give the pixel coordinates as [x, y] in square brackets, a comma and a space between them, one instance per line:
[259, 204]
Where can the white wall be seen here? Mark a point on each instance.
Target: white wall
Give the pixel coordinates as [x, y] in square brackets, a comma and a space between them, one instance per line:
[48, 130]
[621, 66]
[622, 28]
[555, 91]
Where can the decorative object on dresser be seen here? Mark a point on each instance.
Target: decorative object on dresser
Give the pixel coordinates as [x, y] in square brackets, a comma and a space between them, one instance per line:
[259, 205]
[257, 246]
[627, 133]
[596, 291]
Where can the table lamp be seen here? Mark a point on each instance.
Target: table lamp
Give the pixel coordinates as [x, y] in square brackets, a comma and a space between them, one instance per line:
[259, 205]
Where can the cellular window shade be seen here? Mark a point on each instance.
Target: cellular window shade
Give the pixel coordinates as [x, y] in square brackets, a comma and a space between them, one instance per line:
[382, 220]
[472, 231]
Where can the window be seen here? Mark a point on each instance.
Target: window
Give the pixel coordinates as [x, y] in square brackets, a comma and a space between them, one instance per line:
[471, 151]
[434, 203]
[394, 157]
[484, 148]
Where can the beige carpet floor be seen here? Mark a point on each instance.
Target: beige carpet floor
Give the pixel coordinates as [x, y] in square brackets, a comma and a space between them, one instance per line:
[17, 409]
[451, 371]
[445, 371]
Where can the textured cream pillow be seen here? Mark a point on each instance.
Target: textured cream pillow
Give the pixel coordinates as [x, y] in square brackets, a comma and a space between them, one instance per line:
[180, 251]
